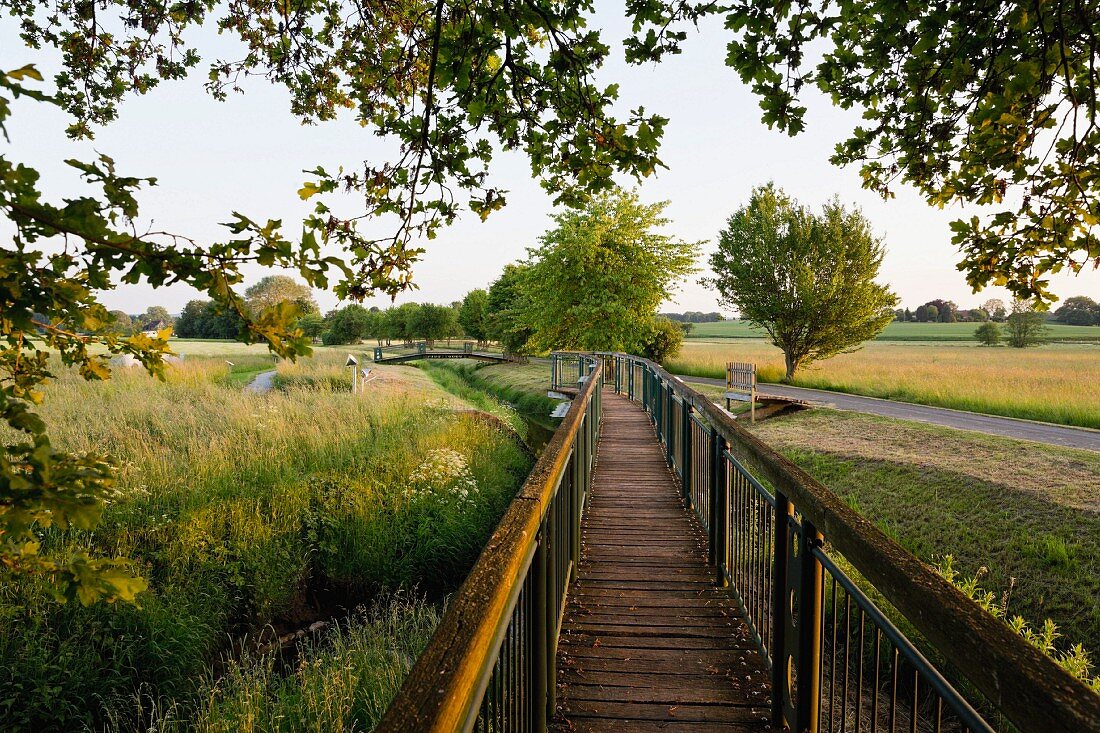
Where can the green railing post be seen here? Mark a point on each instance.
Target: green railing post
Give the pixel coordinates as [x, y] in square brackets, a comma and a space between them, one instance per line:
[781, 611]
[719, 507]
[670, 427]
[540, 663]
[685, 450]
[808, 660]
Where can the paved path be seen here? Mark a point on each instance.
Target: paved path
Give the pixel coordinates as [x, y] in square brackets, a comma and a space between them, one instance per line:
[263, 382]
[1008, 427]
[648, 641]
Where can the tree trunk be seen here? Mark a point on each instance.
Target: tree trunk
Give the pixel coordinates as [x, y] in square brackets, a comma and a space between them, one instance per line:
[792, 365]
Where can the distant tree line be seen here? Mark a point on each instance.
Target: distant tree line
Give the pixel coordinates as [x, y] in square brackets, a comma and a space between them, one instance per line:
[205, 319]
[694, 317]
[1076, 311]
[404, 323]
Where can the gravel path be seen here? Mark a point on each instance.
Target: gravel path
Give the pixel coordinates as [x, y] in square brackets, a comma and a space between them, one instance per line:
[263, 382]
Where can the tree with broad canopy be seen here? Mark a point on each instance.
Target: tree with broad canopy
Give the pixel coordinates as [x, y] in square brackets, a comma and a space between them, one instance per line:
[806, 279]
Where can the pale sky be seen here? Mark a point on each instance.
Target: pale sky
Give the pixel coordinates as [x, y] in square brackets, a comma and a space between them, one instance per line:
[248, 154]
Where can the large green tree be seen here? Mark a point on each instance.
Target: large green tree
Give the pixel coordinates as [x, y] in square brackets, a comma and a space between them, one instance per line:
[807, 279]
[598, 277]
[348, 325]
[274, 290]
[472, 314]
[504, 312]
[1025, 326]
[1080, 310]
[433, 322]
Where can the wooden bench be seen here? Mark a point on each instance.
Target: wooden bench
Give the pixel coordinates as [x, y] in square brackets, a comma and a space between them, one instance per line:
[741, 385]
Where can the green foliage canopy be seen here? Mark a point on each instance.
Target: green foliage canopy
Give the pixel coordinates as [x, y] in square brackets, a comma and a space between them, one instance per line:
[1079, 310]
[1025, 326]
[988, 334]
[807, 279]
[273, 290]
[504, 314]
[472, 314]
[348, 325]
[988, 102]
[433, 322]
[598, 277]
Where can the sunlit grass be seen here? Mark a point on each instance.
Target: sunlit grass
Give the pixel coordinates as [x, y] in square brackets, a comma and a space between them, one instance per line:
[241, 510]
[1054, 383]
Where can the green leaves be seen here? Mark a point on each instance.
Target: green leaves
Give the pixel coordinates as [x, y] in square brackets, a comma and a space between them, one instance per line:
[807, 279]
[987, 103]
[598, 278]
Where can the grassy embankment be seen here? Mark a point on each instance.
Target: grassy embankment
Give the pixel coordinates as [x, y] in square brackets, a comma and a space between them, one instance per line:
[897, 331]
[253, 511]
[1054, 383]
[1024, 516]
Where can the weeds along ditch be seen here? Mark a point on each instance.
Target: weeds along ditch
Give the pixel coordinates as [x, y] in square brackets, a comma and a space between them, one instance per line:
[250, 516]
[514, 392]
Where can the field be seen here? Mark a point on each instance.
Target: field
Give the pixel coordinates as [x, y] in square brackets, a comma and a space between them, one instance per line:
[898, 331]
[1023, 516]
[1054, 383]
[254, 516]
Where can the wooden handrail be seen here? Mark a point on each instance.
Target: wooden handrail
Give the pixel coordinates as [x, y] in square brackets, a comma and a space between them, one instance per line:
[1024, 684]
[443, 691]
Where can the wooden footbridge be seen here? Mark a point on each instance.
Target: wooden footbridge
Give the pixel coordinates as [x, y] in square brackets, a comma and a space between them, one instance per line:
[466, 352]
[663, 570]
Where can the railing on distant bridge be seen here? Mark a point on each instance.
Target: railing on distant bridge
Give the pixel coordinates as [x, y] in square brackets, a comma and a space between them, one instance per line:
[818, 585]
[423, 350]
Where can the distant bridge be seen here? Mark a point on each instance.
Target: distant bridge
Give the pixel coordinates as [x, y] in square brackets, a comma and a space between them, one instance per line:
[662, 569]
[467, 352]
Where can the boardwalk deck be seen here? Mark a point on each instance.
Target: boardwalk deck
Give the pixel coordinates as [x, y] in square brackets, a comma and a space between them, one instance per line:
[648, 642]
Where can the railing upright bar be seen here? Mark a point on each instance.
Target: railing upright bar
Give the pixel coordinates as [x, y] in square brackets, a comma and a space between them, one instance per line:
[713, 461]
[781, 693]
[540, 705]
[686, 440]
[808, 707]
[721, 513]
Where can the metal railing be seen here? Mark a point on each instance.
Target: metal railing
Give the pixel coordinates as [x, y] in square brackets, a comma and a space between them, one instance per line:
[825, 594]
[491, 664]
[789, 555]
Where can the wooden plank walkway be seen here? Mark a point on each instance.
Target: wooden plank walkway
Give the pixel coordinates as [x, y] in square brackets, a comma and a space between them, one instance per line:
[648, 642]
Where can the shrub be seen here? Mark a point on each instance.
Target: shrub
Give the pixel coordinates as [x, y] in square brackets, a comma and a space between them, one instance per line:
[988, 334]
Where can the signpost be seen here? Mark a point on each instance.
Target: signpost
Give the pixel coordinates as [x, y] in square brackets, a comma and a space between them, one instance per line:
[351, 362]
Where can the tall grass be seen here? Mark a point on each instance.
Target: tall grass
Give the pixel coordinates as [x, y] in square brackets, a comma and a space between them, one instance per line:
[243, 510]
[1055, 383]
[342, 681]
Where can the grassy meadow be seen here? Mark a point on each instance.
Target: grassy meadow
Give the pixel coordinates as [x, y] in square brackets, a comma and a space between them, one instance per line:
[899, 331]
[252, 516]
[1054, 383]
